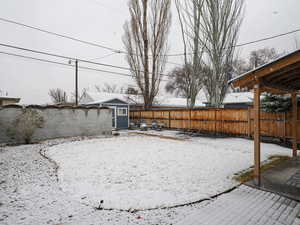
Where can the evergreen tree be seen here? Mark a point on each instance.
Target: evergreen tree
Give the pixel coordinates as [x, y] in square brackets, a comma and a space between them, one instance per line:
[276, 103]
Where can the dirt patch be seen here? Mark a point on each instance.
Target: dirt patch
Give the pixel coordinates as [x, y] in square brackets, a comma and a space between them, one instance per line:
[272, 162]
[160, 136]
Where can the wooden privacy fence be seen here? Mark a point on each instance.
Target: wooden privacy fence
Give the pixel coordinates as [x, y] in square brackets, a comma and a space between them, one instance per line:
[225, 121]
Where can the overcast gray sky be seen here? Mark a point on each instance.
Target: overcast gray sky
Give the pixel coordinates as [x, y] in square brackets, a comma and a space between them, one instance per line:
[102, 21]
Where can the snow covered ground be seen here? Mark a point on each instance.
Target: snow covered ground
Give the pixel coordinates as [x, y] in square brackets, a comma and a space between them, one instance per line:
[137, 172]
[30, 193]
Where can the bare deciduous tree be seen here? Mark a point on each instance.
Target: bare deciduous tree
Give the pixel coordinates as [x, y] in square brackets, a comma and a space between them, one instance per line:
[220, 25]
[181, 84]
[81, 95]
[58, 96]
[179, 81]
[262, 56]
[109, 88]
[189, 16]
[240, 66]
[131, 91]
[296, 43]
[145, 40]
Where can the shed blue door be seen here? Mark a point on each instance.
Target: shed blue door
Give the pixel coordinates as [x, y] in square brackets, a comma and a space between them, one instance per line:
[122, 117]
[114, 117]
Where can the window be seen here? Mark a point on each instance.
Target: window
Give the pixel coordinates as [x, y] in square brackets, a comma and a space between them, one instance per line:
[122, 111]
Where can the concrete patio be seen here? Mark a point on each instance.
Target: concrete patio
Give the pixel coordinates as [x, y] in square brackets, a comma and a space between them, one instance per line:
[284, 179]
[247, 206]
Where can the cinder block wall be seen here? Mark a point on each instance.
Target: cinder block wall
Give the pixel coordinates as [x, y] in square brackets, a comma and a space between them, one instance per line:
[60, 122]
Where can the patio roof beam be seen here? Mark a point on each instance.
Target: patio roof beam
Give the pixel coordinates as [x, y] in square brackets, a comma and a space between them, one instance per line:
[291, 75]
[292, 69]
[275, 86]
[272, 90]
[280, 67]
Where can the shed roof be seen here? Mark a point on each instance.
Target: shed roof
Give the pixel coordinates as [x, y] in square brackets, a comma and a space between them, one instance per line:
[279, 76]
[106, 97]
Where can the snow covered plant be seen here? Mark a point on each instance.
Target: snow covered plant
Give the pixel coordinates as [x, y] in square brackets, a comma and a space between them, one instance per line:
[275, 103]
[25, 124]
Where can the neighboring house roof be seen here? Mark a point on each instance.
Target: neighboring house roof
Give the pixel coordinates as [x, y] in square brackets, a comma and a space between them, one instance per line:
[175, 102]
[160, 101]
[9, 98]
[237, 97]
[163, 101]
[240, 97]
[102, 97]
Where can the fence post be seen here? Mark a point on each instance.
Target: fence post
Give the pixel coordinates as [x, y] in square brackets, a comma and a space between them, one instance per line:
[190, 118]
[294, 124]
[182, 120]
[249, 122]
[215, 122]
[169, 119]
[284, 126]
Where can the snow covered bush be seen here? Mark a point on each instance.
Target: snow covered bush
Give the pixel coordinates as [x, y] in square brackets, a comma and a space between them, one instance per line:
[275, 103]
[25, 124]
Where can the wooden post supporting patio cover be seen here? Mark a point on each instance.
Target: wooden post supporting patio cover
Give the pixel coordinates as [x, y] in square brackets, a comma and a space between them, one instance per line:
[257, 134]
[294, 123]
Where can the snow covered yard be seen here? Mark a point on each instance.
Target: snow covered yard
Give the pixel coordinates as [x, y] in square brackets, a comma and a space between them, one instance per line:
[31, 194]
[138, 172]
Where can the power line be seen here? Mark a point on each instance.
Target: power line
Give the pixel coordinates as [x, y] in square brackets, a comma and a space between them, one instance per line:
[268, 38]
[71, 58]
[65, 64]
[124, 52]
[65, 36]
[105, 56]
[250, 42]
[61, 35]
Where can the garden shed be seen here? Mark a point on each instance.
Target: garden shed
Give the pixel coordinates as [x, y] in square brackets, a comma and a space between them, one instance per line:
[118, 104]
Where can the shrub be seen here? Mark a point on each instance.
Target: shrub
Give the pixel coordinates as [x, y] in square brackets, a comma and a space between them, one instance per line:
[25, 124]
[275, 103]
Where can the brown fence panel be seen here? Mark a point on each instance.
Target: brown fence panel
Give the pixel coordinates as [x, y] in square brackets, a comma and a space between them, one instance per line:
[147, 114]
[227, 121]
[203, 114]
[232, 115]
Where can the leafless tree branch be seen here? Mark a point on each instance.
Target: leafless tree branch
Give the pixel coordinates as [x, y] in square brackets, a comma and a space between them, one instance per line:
[146, 35]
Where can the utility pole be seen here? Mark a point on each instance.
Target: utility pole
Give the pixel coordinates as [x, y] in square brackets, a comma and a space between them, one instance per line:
[76, 82]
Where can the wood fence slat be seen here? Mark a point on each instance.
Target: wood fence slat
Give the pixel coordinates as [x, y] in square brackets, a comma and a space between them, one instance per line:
[227, 121]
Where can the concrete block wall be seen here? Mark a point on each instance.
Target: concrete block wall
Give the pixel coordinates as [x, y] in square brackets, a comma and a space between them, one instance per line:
[60, 121]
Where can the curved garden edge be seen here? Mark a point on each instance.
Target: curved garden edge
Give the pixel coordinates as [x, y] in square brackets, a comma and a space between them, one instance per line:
[43, 150]
[43, 153]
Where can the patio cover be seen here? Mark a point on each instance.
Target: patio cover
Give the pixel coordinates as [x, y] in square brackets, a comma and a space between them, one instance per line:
[281, 76]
